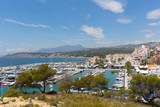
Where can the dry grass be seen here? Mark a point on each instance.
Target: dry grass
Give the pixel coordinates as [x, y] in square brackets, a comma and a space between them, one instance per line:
[74, 100]
[85, 100]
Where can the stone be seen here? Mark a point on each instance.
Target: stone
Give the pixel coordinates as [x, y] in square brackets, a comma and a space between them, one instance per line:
[29, 102]
[6, 100]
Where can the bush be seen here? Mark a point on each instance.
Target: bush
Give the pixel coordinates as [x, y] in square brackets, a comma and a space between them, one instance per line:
[43, 98]
[52, 92]
[26, 96]
[157, 102]
[11, 93]
[13, 100]
[110, 94]
[36, 105]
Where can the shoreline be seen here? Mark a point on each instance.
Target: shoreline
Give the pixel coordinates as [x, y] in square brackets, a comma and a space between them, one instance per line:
[51, 57]
[46, 60]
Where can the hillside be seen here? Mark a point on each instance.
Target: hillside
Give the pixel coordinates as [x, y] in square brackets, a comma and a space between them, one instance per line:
[28, 55]
[129, 48]
[84, 52]
[68, 100]
[64, 48]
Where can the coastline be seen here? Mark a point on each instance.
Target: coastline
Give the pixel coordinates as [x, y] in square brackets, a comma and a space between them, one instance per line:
[11, 62]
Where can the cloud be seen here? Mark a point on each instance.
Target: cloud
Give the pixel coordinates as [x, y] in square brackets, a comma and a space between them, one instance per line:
[104, 42]
[133, 42]
[124, 21]
[17, 50]
[28, 25]
[155, 24]
[93, 31]
[43, 1]
[112, 5]
[144, 31]
[154, 14]
[150, 35]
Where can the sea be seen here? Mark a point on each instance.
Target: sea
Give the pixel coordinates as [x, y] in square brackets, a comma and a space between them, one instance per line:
[112, 75]
[22, 61]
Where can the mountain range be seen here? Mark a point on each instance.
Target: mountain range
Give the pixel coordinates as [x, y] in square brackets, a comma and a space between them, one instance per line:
[65, 48]
[80, 51]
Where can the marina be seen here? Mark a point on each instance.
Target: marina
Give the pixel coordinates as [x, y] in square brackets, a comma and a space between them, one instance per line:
[76, 69]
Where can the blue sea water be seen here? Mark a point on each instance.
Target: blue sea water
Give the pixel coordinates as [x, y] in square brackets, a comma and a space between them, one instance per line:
[21, 61]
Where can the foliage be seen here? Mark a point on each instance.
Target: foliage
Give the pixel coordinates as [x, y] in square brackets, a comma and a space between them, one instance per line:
[100, 82]
[42, 74]
[14, 100]
[128, 66]
[122, 91]
[147, 87]
[86, 100]
[11, 93]
[100, 63]
[36, 105]
[109, 94]
[26, 96]
[144, 62]
[24, 80]
[101, 52]
[78, 84]
[154, 60]
[112, 67]
[66, 83]
[88, 81]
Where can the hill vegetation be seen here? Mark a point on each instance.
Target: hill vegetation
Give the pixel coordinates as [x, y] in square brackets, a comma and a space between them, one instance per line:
[101, 52]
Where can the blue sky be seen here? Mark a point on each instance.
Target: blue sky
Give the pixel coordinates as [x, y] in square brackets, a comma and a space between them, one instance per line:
[27, 25]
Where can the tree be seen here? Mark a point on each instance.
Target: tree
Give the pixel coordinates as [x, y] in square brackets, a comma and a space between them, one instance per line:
[144, 62]
[88, 81]
[128, 66]
[24, 80]
[42, 75]
[78, 84]
[99, 62]
[119, 59]
[66, 83]
[147, 87]
[100, 82]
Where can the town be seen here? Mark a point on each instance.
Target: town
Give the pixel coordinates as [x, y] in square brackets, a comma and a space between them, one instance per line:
[137, 63]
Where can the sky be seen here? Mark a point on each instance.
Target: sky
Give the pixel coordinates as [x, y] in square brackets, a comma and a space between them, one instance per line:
[28, 25]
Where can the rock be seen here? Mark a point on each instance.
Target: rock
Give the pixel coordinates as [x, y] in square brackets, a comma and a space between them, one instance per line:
[29, 101]
[6, 100]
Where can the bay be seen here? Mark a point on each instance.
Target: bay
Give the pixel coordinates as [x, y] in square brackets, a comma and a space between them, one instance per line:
[22, 61]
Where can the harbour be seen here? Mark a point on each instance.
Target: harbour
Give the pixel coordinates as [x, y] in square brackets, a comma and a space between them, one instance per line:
[76, 69]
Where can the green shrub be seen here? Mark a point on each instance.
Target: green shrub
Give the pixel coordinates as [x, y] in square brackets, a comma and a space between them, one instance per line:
[36, 105]
[13, 100]
[157, 102]
[26, 96]
[11, 93]
[109, 94]
[43, 98]
[52, 92]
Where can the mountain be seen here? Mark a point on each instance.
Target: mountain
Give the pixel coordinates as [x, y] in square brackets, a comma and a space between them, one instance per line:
[79, 51]
[65, 48]
[151, 45]
[28, 55]
[103, 51]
